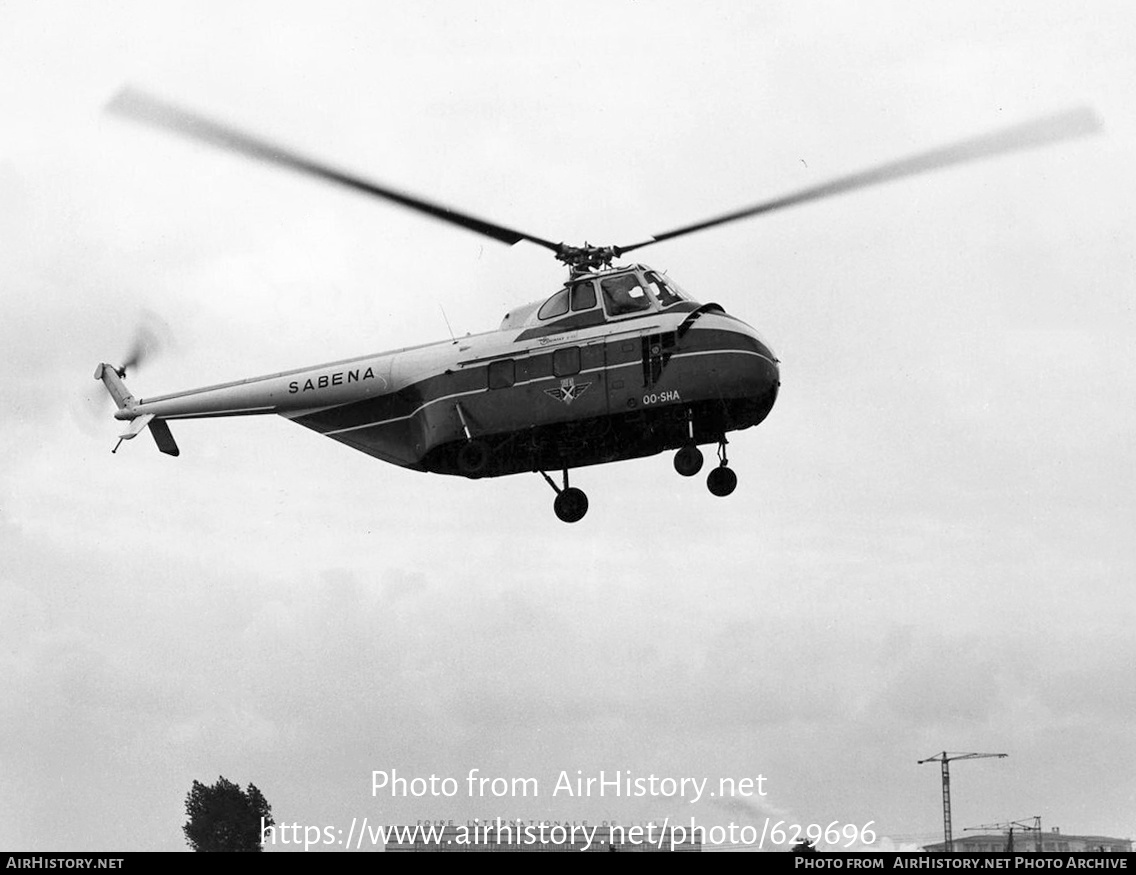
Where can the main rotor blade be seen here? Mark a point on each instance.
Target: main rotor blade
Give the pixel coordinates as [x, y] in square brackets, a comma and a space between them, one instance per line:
[1039, 132]
[141, 107]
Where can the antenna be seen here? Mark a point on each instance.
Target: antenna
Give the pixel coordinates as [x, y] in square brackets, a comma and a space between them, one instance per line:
[443, 309]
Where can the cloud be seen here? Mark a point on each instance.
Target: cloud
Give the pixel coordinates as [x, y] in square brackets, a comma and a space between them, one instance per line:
[929, 535]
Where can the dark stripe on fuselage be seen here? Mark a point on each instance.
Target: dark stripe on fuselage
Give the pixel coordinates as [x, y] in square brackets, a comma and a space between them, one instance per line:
[611, 438]
[536, 366]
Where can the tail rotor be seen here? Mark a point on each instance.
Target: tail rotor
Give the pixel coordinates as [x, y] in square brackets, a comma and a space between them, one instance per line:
[149, 339]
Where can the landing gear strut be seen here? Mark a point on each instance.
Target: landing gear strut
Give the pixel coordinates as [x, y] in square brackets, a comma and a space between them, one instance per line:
[571, 503]
[722, 481]
[688, 460]
[474, 456]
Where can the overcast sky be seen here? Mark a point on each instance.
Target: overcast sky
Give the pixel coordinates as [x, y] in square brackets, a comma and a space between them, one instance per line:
[930, 546]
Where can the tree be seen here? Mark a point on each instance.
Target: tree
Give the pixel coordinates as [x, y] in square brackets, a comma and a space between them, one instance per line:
[224, 817]
[803, 848]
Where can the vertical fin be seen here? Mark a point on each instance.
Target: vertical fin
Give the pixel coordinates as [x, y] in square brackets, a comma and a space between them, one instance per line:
[163, 438]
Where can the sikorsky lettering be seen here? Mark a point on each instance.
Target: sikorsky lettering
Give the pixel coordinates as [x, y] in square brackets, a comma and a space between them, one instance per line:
[324, 380]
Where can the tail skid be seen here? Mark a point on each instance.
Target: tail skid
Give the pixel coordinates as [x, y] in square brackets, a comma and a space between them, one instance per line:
[126, 402]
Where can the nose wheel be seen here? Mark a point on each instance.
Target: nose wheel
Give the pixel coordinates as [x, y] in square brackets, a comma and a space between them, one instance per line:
[722, 481]
[688, 460]
[571, 503]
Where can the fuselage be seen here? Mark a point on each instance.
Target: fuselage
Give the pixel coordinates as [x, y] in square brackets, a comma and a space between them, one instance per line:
[616, 365]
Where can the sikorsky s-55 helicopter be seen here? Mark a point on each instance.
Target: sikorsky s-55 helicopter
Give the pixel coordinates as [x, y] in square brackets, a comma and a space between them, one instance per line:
[617, 364]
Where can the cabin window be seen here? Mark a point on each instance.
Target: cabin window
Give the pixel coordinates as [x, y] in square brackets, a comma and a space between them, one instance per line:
[555, 306]
[502, 374]
[566, 362]
[663, 293]
[623, 294]
[583, 296]
[534, 367]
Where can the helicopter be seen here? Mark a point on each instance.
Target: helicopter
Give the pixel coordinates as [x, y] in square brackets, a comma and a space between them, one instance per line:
[619, 363]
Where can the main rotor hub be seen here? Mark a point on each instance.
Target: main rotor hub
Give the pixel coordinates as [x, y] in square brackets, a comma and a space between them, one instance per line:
[582, 259]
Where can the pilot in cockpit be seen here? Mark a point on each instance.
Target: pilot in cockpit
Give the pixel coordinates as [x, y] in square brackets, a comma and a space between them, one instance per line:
[623, 294]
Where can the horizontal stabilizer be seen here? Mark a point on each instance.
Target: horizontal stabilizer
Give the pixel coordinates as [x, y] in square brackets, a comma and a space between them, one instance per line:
[136, 426]
[158, 428]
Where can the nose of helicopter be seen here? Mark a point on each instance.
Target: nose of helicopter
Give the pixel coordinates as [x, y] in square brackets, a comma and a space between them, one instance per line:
[762, 376]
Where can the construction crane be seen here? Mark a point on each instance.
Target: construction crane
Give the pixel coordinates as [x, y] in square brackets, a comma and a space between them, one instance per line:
[1010, 826]
[945, 758]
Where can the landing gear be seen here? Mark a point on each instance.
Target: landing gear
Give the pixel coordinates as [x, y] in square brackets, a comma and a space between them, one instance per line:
[473, 458]
[722, 481]
[571, 503]
[688, 460]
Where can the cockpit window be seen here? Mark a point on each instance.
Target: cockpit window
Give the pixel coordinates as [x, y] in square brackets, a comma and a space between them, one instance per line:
[665, 293]
[583, 296]
[623, 294]
[555, 306]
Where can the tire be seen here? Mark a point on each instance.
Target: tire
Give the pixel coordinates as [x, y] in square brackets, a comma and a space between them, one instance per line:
[722, 481]
[473, 458]
[571, 504]
[688, 460]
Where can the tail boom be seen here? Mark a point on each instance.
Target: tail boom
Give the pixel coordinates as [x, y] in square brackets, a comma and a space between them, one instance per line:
[112, 379]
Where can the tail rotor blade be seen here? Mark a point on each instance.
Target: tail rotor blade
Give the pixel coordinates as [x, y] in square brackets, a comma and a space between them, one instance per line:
[151, 336]
[145, 345]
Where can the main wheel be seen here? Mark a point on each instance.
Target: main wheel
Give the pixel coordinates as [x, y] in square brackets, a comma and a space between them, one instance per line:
[688, 460]
[722, 481]
[571, 504]
[473, 458]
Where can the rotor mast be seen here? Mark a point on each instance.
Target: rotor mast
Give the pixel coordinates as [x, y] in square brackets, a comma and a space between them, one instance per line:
[945, 758]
